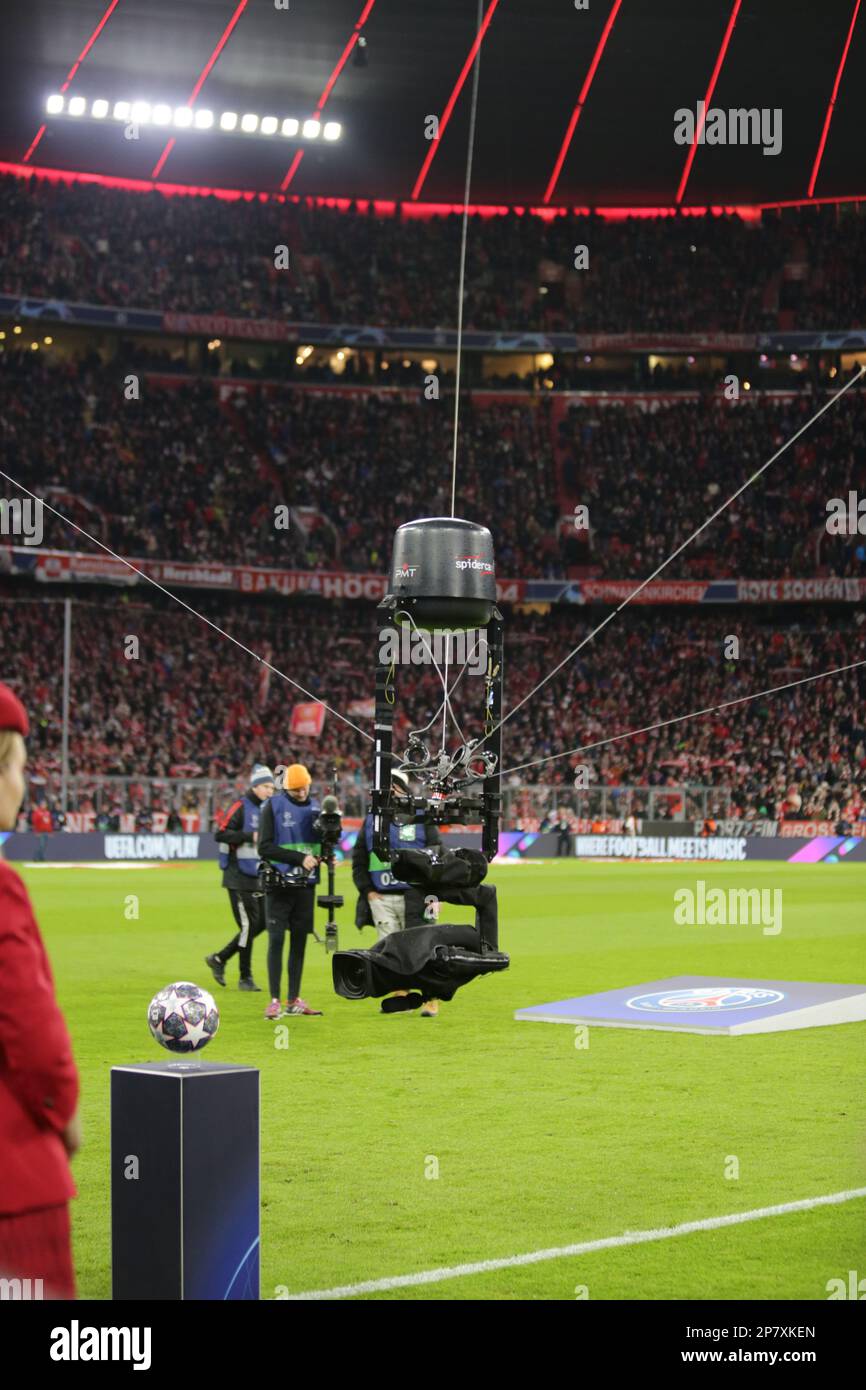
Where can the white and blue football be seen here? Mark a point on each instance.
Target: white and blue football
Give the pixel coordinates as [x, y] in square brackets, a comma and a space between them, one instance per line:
[183, 1017]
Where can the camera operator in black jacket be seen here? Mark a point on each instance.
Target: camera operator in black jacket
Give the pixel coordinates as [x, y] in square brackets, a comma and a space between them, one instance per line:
[237, 836]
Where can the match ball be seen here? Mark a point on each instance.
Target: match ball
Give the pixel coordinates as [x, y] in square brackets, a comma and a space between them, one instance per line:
[183, 1017]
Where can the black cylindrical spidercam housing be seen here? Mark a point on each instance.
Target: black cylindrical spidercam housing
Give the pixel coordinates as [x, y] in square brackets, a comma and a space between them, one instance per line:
[443, 573]
[442, 576]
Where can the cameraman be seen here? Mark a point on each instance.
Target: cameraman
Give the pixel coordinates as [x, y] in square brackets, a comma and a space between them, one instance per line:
[383, 900]
[290, 848]
[236, 836]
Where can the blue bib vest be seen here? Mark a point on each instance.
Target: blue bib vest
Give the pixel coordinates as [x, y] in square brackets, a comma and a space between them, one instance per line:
[247, 855]
[293, 829]
[401, 837]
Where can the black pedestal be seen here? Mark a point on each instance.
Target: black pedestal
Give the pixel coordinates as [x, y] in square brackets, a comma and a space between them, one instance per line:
[185, 1181]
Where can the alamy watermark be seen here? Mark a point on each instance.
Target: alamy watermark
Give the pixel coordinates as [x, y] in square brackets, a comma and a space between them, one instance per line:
[846, 515]
[712, 125]
[854, 1287]
[21, 1290]
[22, 517]
[413, 647]
[718, 907]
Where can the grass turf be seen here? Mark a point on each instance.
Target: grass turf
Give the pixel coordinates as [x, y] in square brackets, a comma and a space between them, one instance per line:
[538, 1144]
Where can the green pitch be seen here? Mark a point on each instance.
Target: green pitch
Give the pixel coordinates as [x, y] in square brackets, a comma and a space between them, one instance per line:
[537, 1143]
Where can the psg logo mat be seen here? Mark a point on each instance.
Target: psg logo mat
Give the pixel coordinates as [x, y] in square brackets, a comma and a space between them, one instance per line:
[710, 1004]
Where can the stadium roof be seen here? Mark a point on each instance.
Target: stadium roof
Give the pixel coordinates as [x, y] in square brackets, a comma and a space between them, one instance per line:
[576, 106]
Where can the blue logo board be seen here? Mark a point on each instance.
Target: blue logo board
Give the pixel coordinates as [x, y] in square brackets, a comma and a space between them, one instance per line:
[710, 1004]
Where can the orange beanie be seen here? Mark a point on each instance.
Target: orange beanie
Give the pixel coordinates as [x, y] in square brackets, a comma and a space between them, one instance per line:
[296, 776]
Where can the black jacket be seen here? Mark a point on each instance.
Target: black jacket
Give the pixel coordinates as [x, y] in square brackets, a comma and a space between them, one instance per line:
[231, 833]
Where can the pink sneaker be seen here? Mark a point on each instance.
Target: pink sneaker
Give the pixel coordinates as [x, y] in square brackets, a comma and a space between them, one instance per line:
[274, 1009]
[300, 1006]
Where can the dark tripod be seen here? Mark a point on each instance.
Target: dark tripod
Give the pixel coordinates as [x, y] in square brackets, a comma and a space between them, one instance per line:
[329, 824]
[330, 900]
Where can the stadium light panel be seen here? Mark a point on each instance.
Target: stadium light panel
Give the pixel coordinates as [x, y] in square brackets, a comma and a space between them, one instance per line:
[187, 118]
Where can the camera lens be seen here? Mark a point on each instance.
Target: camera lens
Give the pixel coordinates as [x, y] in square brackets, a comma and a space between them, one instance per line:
[350, 975]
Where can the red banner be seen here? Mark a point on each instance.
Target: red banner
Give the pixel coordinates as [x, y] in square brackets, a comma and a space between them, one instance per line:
[809, 829]
[799, 590]
[222, 326]
[308, 720]
[659, 591]
[62, 566]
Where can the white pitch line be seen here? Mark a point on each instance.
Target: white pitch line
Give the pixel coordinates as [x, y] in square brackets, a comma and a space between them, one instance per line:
[586, 1247]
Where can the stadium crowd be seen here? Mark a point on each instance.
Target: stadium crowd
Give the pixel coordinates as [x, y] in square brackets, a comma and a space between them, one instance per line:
[649, 479]
[197, 470]
[101, 245]
[191, 705]
[178, 475]
[187, 472]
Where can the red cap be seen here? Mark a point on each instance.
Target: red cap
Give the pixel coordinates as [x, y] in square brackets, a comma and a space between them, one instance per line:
[13, 715]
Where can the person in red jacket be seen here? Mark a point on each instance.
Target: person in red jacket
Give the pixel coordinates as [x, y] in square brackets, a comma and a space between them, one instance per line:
[41, 823]
[39, 1125]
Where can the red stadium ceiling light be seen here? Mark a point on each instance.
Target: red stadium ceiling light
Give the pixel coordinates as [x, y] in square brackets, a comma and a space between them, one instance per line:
[161, 114]
[72, 71]
[384, 207]
[200, 81]
[708, 98]
[581, 101]
[452, 100]
[831, 106]
[332, 128]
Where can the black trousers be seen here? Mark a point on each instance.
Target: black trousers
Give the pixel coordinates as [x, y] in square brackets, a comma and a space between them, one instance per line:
[288, 910]
[248, 911]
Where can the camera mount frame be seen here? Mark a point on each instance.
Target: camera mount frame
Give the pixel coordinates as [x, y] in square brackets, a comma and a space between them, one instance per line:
[453, 779]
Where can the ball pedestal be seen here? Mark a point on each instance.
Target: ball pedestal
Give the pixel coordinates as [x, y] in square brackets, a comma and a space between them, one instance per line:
[185, 1181]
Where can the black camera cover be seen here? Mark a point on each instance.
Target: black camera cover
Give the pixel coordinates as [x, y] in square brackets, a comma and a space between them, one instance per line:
[432, 868]
[435, 960]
